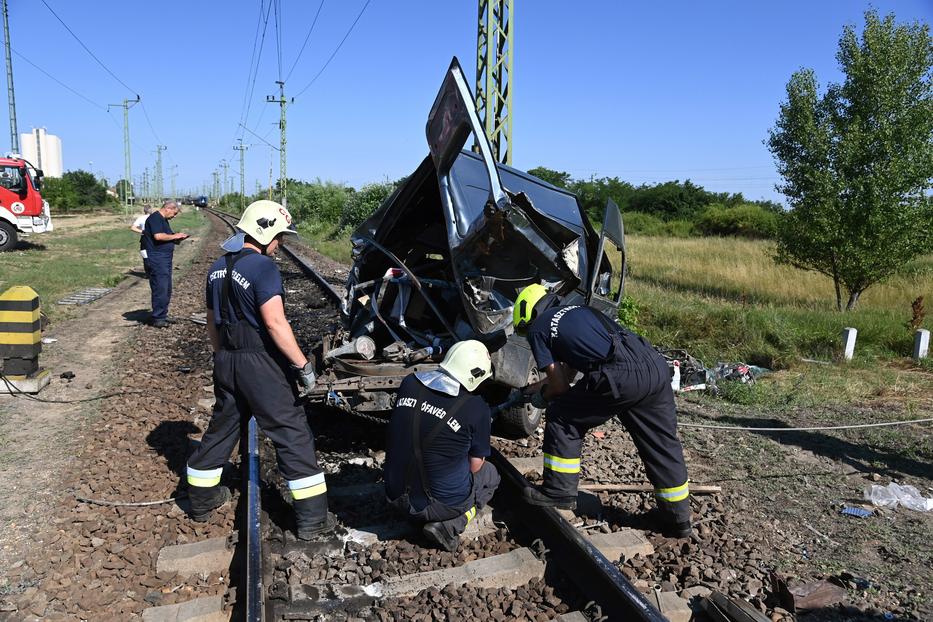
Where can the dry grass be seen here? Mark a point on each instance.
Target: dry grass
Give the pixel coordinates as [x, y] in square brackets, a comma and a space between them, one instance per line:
[742, 270]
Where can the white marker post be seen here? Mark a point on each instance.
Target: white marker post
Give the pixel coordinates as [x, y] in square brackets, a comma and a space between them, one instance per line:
[848, 343]
[921, 344]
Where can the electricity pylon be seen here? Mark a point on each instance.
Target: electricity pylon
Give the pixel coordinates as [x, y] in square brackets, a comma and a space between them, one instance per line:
[128, 194]
[494, 45]
[159, 179]
[174, 175]
[11, 96]
[242, 149]
[283, 173]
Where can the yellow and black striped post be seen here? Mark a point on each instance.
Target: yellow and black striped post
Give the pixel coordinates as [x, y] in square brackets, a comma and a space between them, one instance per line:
[20, 331]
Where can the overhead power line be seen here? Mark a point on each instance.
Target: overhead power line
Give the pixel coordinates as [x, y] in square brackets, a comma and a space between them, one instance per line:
[149, 123]
[337, 49]
[305, 44]
[60, 83]
[255, 69]
[87, 49]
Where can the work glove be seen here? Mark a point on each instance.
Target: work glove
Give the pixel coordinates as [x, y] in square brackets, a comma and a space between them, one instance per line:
[306, 377]
[517, 397]
[537, 399]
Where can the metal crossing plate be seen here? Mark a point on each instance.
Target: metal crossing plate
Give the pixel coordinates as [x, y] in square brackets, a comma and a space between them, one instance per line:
[85, 296]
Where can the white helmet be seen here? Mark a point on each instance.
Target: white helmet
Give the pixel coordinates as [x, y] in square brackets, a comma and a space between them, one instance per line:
[468, 363]
[263, 220]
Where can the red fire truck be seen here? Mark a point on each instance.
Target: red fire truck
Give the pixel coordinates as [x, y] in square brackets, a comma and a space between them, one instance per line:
[22, 209]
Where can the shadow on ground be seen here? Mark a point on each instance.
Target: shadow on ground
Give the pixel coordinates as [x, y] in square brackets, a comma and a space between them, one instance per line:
[860, 456]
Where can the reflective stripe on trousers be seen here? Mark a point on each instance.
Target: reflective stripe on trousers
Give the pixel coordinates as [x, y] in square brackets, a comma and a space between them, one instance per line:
[308, 486]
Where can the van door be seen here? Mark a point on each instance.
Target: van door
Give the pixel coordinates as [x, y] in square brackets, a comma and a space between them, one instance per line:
[451, 121]
[607, 279]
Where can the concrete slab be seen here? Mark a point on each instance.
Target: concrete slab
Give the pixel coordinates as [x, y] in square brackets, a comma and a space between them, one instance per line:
[509, 570]
[528, 465]
[672, 606]
[26, 384]
[370, 535]
[211, 555]
[209, 609]
[627, 542]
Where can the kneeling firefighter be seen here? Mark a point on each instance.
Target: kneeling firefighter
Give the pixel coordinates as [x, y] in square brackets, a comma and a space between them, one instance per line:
[438, 441]
[623, 376]
[256, 359]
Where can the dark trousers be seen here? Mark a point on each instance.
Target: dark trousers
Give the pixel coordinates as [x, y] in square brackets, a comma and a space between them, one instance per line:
[458, 516]
[252, 383]
[646, 409]
[160, 284]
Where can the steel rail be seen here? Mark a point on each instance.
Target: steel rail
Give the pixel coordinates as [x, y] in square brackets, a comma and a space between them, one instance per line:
[591, 571]
[254, 610]
[302, 263]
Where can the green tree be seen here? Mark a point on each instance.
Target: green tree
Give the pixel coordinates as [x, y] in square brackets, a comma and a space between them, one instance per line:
[362, 203]
[91, 193]
[122, 187]
[857, 161]
[555, 178]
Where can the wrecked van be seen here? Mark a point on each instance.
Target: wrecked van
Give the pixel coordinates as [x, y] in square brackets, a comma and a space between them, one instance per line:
[443, 259]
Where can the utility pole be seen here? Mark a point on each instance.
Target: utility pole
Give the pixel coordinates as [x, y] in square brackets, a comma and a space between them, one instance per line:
[271, 157]
[159, 180]
[242, 149]
[11, 97]
[146, 194]
[494, 45]
[225, 166]
[215, 190]
[174, 175]
[283, 174]
[128, 194]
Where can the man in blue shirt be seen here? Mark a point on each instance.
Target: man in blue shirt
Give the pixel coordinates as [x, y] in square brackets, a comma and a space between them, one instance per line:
[438, 441]
[256, 358]
[623, 376]
[159, 243]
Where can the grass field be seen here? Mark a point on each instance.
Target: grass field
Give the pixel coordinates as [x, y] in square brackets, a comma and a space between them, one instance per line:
[84, 251]
[725, 299]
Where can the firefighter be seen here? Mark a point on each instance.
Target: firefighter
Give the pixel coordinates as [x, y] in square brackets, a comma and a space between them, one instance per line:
[256, 357]
[438, 440]
[622, 376]
[159, 243]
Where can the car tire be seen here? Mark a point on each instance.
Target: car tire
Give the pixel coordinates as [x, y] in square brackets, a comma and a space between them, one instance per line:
[8, 236]
[520, 421]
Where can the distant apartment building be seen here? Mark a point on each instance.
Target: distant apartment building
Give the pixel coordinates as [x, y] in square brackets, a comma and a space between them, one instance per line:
[43, 150]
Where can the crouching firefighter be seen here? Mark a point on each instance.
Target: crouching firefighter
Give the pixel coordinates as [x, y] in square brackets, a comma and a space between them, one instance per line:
[256, 359]
[623, 376]
[438, 440]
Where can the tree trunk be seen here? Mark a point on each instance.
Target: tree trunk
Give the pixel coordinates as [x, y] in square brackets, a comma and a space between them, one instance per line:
[837, 285]
[853, 298]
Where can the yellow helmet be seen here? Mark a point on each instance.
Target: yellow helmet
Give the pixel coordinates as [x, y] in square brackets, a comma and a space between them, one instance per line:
[523, 309]
[468, 363]
[263, 220]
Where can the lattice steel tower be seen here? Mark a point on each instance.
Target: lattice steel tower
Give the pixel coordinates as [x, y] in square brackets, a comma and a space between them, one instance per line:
[494, 74]
[11, 97]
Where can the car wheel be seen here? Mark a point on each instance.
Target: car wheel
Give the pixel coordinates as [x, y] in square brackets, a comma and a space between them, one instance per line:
[520, 421]
[7, 236]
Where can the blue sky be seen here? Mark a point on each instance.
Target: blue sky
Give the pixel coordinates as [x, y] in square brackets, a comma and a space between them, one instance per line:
[644, 91]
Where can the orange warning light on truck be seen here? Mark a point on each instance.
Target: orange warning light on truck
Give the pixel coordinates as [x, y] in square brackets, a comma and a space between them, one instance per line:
[22, 209]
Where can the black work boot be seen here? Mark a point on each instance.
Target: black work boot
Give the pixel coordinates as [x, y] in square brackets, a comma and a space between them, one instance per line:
[312, 518]
[441, 535]
[535, 496]
[205, 500]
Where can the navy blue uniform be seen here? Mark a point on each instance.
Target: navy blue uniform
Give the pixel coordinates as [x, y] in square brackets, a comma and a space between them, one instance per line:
[159, 255]
[450, 430]
[251, 377]
[622, 376]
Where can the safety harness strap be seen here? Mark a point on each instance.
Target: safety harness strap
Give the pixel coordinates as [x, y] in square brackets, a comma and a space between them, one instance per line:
[230, 259]
[419, 445]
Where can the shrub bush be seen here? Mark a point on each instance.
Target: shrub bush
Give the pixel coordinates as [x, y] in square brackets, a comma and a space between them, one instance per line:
[746, 220]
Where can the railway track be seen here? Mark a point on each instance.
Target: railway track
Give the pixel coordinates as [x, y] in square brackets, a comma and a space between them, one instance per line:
[516, 561]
